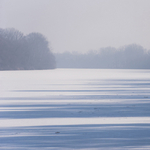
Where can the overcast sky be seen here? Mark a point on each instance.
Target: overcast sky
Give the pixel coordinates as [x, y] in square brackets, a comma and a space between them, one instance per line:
[80, 25]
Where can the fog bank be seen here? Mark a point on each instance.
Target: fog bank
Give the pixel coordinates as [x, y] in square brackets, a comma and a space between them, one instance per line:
[126, 57]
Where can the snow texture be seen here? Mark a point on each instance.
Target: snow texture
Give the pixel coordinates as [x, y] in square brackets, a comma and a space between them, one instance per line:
[75, 109]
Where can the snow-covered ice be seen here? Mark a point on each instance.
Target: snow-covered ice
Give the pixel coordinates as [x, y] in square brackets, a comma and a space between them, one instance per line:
[75, 109]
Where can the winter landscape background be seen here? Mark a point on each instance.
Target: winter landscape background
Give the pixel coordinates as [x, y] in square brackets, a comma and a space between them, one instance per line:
[75, 109]
[103, 105]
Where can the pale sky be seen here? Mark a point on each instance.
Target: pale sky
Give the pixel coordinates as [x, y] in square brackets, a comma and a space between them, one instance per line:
[80, 25]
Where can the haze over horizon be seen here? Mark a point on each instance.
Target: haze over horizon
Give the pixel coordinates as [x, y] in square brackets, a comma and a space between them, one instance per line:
[80, 25]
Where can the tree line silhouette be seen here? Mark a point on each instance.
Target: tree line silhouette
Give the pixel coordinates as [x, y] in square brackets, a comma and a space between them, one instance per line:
[31, 52]
[131, 56]
[19, 52]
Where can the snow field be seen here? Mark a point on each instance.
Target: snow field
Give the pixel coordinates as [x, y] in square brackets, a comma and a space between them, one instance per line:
[75, 109]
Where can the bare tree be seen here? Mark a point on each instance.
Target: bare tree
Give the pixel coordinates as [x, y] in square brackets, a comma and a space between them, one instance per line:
[24, 52]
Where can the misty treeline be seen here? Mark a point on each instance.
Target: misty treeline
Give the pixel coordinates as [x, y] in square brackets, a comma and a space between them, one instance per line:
[19, 52]
[127, 57]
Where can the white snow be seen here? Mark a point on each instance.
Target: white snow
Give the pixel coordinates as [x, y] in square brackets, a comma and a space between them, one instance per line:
[75, 109]
[73, 121]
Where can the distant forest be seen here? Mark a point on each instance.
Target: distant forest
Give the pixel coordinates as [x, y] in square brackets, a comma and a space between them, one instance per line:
[31, 52]
[19, 52]
[127, 57]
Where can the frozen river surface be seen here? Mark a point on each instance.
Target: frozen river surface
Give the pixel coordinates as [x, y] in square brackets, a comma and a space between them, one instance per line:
[75, 109]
